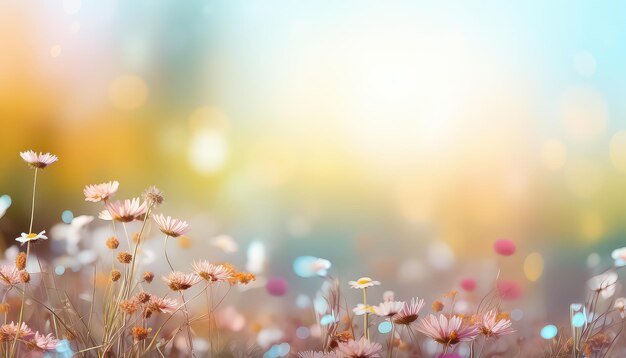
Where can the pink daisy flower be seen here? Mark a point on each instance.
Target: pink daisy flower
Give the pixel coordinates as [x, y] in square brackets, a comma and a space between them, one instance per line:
[100, 192]
[126, 211]
[163, 304]
[362, 348]
[38, 160]
[42, 343]
[178, 281]
[491, 327]
[9, 275]
[312, 354]
[171, 227]
[410, 312]
[9, 331]
[388, 308]
[447, 331]
[211, 272]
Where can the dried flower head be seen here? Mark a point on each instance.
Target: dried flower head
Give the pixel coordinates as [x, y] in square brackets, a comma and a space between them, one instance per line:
[153, 196]
[124, 257]
[115, 275]
[210, 272]
[100, 192]
[178, 281]
[24, 276]
[143, 297]
[20, 261]
[4, 307]
[437, 306]
[139, 333]
[113, 243]
[129, 306]
[148, 276]
[38, 160]
[162, 304]
[171, 227]
[243, 278]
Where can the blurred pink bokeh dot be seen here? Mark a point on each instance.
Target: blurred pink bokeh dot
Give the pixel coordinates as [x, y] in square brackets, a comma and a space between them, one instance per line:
[504, 247]
[509, 290]
[276, 286]
[468, 284]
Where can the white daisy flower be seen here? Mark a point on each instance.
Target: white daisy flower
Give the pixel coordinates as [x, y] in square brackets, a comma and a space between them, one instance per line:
[362, 309]
[363, 282]
[32, 237]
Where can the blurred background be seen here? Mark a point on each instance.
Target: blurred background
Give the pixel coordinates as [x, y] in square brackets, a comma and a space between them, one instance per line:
[397, 139]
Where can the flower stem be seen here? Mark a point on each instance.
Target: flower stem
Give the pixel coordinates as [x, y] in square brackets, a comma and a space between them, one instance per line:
[365, 316]
[167, 258]
[32, 208]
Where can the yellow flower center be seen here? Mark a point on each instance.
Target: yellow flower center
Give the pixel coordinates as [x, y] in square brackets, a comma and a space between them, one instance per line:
[31, 236]
[363, 281]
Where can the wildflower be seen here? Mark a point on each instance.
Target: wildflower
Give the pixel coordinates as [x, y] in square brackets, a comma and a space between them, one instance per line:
[211, 272]
[620, 304]
[24, 276]
[362, 348]
[363, 282]
[492, 327]
[32, 237]
[148, 276]
[437, 306]
[139, 333]
[388, 308]
[596, 343]
[9, 275]
[38, 161]
[153, 196]
[162, 304]
[100, 192]
[243, 278]
[312, 354]
[409, 313]
[20, 261]
[447, 331]
[125, 211]
[4, 307]
[143, 297]
[169, 226]
[124, 257]
[115, 275]
[9, 331]
[129, 306]
[112, 243]
[362, 309]
[604, 284]
[178, 281]
[42, 343]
